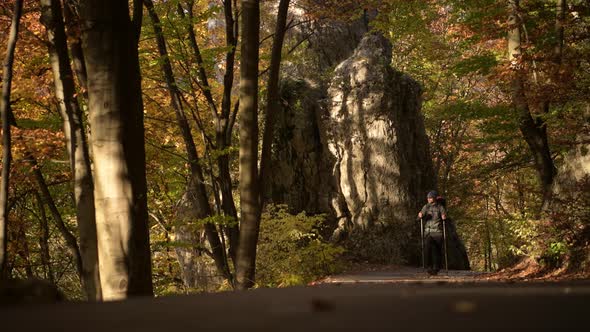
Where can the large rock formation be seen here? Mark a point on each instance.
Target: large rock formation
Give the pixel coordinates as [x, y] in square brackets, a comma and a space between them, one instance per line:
[377, 136]
[575, 168]
[568, 208]
[331, 42]
[355, 148]
[302, 165]
[301, 176]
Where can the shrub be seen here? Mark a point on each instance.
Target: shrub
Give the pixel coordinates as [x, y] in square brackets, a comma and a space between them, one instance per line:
[539, 240]
[527, 237]
[291, 250]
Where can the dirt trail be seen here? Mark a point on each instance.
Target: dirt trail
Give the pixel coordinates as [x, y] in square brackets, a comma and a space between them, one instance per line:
[525, 271]
[402, 275]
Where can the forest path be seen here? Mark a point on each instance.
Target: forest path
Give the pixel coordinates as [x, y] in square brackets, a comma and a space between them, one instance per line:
[402, 275]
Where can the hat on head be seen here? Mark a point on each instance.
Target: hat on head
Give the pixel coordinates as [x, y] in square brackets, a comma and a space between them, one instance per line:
[432, 194]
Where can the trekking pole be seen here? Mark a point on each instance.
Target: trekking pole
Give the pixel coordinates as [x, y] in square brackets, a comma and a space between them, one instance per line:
[445, 245]
[422, 242]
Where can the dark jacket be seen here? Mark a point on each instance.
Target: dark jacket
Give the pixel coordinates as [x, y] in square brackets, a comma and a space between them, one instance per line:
[432, 215]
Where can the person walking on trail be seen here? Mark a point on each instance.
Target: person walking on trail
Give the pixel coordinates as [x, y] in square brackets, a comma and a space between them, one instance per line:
[433, 213]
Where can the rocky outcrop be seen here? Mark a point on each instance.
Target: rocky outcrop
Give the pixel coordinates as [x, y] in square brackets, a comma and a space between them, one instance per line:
[332, 41]
[382, 163]
[355, 148]
[568, 207]
[301, 175]
[575, 168]
[328, 43]
[302, 165]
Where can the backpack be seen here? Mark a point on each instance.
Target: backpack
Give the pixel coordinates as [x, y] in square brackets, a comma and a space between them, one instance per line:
[442, 201]
[450, 223]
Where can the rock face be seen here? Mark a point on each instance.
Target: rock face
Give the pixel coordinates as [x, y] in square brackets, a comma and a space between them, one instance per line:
[302, 164]
[332, 41]
[377, 136]
[568, 207]
[355, 148]
[576, 164]
[301, 176]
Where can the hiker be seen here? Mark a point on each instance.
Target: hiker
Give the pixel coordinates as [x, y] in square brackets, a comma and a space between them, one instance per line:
[433, 213]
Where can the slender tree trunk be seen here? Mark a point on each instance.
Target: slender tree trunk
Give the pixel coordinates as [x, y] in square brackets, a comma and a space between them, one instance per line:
[44, 240]
[223, 131]
[196, 183]
[560, 9]
[201, 73]
[223, 138]
[6, 143]
[272, 106]
[76, 143]
[23, 250]
[73, 31]
[227, 200]
[533, 130]
[109, 43]
[249, 191]
[231, 42]
[69, 238]
[489, 246]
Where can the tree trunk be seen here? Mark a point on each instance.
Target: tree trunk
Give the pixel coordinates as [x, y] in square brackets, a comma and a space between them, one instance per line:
[69, 238]
[488, 243]
[224, 130]
[23, 250]
[272, 105]
[196, 183]
[73, 31]
[533, 130]
[44, 240]
[223, 138]
[249, 197]
[227, 200]
[6, 143]
[76, 143]
[109, 43]
[560, 7]
[222, 121]
[202, 74]
[560, 10]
